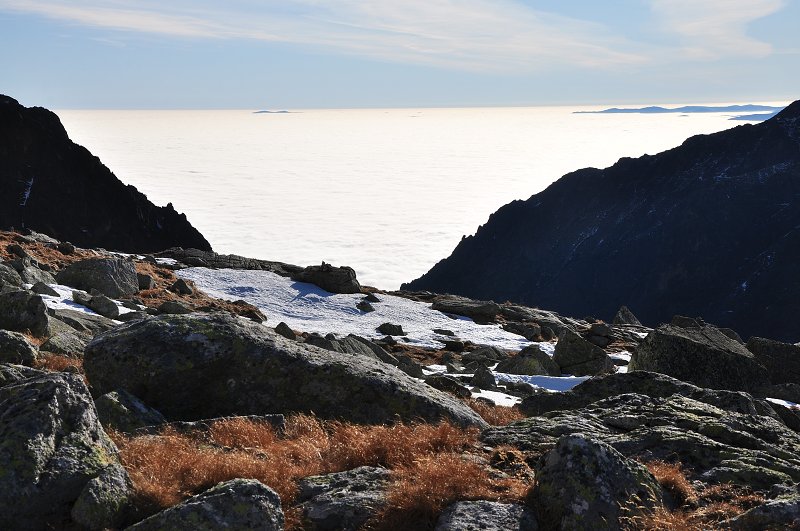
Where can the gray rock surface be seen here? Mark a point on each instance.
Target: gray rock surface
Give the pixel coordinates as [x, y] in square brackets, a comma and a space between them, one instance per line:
[391, 329]
[51, 446]
[174, 308]
[576, 356]
[15, 348]
[625, 316]
[113, 277]
[235, 505]
[24, 311]
[701, 355]
[781, 360]
[210, 365]
[104, 306]
[124, 412]
[530, 331]
[343, 500]
[531, 360]
[717, 445]
[482, 515]
[583, 484]
[10, 373]
[285, 330]
[40, 288]
[479, 311]
[82, 322]
[775, 514]
[9, 278]
[105, 501]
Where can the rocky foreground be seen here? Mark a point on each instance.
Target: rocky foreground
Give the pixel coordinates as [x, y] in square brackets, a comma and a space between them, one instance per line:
[164, 408]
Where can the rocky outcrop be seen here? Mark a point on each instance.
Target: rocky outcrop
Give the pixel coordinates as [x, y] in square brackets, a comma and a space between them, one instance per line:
[483, 515]
[775, 514]
[15, 348]
[715, 444]
[113, 277]
[781, 360]
[51, 446]
[330, 278]
[708, 228]
[123, 412]
[583, 484]
[201, 366]
[238, 505]
[531, 360]
[703, 356]
[23, 311]
[200, 258]
[343, 500]
[55, 186]
[579, 357]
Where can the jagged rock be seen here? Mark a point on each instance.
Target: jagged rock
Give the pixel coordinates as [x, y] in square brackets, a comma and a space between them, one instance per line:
[485, 355]
[715, 444]
[40, 288]
[530, 331]
[625, 316]
[104, 306]
[652, 384]
[113, 277]
[145, 281]
[71, 195]
[284, 330]
[703, 356]
[781, 360]
[238, 504]
[15, 348]
[531, 360]
[51, 446]
[9, 278]
[365, 306]
[576, 356]
[330, 278]
[479, 311]
[774, 514]
[175, 308]
[343, 500]
[583, 484]
[105, 500]
[484, 379]
[482, 515]
[22, 310]
[207, 365]
[181, 287]
[391, 329]
[449, 385]
[83, 322]
[124, 412]
[15, 373]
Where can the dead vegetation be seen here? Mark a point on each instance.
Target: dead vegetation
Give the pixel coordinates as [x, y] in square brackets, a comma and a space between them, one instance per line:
[494, 414]
[432, 464]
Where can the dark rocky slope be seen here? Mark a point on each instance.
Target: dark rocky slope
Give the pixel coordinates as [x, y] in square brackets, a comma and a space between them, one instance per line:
[710, 228]
[52, 185]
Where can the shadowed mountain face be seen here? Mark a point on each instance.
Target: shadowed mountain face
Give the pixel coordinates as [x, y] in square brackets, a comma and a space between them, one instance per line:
[52, 185]
[710, 228]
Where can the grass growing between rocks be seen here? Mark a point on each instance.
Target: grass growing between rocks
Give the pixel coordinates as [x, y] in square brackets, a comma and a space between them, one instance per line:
[694, 510]
[493, 414]
[432, 464]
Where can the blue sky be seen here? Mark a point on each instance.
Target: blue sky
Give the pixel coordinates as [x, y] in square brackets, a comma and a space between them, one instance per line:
[396, 53]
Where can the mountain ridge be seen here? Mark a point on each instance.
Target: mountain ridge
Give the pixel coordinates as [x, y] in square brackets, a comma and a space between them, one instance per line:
[693, 230]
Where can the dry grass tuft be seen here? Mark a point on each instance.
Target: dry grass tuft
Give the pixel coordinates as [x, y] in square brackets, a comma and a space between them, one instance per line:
[672, 478]
[495, 415]
[427, 459]
[52, 362]
[422, 488]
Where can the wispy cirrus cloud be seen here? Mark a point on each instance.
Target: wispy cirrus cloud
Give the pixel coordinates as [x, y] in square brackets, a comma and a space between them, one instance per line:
[712, 29]
[495, 35]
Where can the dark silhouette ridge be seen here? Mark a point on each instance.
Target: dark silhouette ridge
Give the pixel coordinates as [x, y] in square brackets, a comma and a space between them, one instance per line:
[710, 228]
[52, 185]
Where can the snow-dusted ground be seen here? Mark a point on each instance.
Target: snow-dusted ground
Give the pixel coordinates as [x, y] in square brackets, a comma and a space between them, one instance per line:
[307, 308]
[63, 301]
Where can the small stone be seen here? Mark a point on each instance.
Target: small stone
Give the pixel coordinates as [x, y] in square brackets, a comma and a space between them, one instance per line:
[181, 287]
[285, 330]
[391, 329]
[443, 332]
[364, 306]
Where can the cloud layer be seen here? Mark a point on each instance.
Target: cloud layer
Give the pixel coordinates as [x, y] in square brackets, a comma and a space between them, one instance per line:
[485, 35]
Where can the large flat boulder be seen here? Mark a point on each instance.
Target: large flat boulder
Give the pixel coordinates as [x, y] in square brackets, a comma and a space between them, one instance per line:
[701, 355]
[198, 366]
[113, 277]
[51, 446]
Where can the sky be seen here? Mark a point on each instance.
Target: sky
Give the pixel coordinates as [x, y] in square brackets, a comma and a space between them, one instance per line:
[294, 54]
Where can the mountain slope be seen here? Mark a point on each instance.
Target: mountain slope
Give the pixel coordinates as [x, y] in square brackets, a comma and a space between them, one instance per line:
[710, 228]
[50, 184]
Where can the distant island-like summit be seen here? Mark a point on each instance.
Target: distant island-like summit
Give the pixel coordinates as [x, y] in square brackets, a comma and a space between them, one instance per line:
[765, 111]
[272, 112]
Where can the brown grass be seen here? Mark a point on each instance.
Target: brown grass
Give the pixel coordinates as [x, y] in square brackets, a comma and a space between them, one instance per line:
[698, 511]
[493, 414]
[427, 462]
[49, 361]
